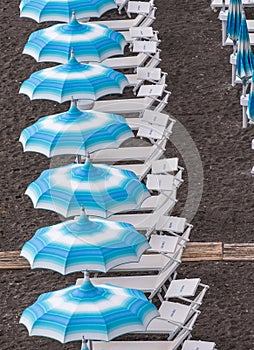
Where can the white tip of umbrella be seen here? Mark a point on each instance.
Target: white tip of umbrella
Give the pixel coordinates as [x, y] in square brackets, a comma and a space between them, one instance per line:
[73, 19]
[72, 59]
[73, 102]
[83, 212]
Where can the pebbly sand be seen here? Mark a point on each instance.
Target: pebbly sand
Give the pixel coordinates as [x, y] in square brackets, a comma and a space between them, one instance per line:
[204, 102]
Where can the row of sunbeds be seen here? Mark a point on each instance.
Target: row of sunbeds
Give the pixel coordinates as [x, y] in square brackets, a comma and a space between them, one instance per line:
[179, 300]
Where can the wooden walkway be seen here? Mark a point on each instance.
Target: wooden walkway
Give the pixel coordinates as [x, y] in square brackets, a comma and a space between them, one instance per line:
[195, 251]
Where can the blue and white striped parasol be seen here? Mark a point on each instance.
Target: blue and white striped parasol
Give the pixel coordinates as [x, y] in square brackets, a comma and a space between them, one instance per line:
[91, 43]
[73, 80]
[84, 244]
[75, 132]
[234, 20]
[61, 10]
[103, 190]
[244, 58]
[88, 312]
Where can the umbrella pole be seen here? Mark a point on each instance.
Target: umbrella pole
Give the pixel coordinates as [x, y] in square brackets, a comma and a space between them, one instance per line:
[84, 345]
[244, 87]
[234, 47]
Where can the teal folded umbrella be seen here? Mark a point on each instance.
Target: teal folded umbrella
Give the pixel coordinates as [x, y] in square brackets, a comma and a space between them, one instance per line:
[102, 189]
[244, 58]
[91, 43]
[61, 10]
[234, 20]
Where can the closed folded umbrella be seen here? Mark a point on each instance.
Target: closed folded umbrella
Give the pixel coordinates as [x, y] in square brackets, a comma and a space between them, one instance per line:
[234, 20]
[73, 80]
[85, 243]
[61, 10]
[91, 42]
[244, 58]
[75, 132]
[103, 190]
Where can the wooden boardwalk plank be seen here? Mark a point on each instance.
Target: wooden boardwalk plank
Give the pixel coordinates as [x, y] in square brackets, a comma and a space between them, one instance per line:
[195, 251]
[202, 251]
[243, 251]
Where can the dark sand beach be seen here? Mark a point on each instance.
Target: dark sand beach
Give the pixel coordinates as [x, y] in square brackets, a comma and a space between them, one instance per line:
[207, 106]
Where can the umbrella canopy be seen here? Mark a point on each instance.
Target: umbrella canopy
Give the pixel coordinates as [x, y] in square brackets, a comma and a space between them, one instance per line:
[103, 190]
[73, 80]
[244, 58]
[61, 10]
[90, 42]
[75, 132]
[84, 244]
[87, 311]
[234, 19]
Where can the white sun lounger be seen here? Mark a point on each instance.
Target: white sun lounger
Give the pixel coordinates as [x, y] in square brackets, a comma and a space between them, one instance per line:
[219, 3]
[130, 105]
[146, 344]
[141, 170]
[142, 19]
[198, 345]
[147, 73]
[157, 261]
[153, 262]
[189, 290]
[174, 317]
[150, 284]
[140, 33]
[140, 153]
[147, 221]
[132, 62]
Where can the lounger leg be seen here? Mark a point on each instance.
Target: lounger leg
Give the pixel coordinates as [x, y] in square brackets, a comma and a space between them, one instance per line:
[245, 119]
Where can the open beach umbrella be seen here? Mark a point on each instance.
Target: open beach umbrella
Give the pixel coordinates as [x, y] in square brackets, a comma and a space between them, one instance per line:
[73, 80]
[91, 42]
[61, 10]
[75, 132]
[234, 20]
[84, 244]
[244, 58]
[88, 312]
[102, 189]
